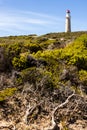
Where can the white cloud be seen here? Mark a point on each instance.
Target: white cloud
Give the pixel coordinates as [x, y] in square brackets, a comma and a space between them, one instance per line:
[56, 18]
[19, 21]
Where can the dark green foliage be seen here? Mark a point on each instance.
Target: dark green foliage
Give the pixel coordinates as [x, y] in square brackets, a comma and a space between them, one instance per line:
[4, 63]
[38, 77]
[34, 48]
[13, 50]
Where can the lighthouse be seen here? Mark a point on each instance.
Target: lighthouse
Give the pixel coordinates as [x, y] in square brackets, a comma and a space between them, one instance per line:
[68, 22]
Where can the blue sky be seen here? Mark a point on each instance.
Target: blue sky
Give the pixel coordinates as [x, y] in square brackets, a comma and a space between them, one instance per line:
[24, 17]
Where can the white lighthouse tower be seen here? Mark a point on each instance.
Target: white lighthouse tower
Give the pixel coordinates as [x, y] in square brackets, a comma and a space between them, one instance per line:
[68, 22]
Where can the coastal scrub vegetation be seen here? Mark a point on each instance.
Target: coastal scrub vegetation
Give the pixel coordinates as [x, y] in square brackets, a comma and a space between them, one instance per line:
[32, 56]
[46, 77]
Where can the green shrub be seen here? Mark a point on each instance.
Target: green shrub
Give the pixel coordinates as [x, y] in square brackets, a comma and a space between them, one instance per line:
[83, 76]
[34, 48]
[4, 94]
[38, 76]
[13, 50]
[3, 60]
[52, 59]
[76, 53]
[44, 45]
[32, 75]
[29, 74]
[21, 61]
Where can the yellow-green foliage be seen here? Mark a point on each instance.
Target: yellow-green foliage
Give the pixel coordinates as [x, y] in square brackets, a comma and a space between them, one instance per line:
[83, 76]
[76, 53]
[14, 49]
[46, 63]
[52, 59]
[73, 54]
[4, 94]
[44, 44]
[21, 61]
[48, 55]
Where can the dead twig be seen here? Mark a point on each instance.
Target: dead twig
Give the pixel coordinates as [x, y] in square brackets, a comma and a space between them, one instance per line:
[54, 125]
[30, 110]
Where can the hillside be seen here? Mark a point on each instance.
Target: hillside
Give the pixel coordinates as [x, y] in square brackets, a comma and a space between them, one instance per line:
[43, 82]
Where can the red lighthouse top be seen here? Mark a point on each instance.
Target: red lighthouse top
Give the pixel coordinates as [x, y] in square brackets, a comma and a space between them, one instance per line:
[67, 11]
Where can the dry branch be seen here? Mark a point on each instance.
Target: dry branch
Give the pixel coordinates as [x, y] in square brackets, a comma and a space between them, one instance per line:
[54, 125]
[30, 110]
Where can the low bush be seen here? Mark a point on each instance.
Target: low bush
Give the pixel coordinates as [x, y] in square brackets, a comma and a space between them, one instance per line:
[34, 48]
[23, 61]
[83, 76]
[4, 94]
[76, 53]
[37, 76]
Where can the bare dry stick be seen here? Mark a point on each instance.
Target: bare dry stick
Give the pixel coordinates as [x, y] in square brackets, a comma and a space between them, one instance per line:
[30, 110]
[27, 112]
[54, 125]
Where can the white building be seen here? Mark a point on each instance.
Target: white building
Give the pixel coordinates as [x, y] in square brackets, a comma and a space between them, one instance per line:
[68, 22]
